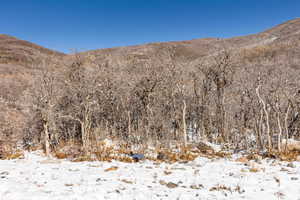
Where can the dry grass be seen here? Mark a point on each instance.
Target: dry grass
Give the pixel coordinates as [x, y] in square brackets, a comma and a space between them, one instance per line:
[254, 170]
[127, 181]
[121, 153]
[283, 156]
[8, 151]
[265, 51]
[83, 158]
[220, 188]
[12, 155]
[289, 156]
[60, 155]
[113, 168]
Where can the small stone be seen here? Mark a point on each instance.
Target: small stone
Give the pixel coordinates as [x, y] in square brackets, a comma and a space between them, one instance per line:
[98, 179]
[274, 163]
[284, 169]
[5, 173]
[171, 185]
[127, 181]
[196, 187]
[291, 165]
[167, 172]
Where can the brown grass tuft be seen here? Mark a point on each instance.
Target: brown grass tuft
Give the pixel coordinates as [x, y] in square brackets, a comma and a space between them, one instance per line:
[113, 168]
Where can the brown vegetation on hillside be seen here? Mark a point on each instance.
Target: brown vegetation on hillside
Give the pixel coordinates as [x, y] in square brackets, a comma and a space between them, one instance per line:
[242, 92]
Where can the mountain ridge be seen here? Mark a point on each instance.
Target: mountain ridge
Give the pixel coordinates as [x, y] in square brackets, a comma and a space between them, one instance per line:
[285, 28]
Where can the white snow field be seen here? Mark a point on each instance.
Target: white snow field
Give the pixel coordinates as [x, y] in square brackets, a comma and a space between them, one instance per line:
[37, 178]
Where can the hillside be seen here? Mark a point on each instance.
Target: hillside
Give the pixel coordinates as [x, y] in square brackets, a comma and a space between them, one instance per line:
[18, 65]
[282, 39]
[270, 53]
[18, 60]
[15, 51]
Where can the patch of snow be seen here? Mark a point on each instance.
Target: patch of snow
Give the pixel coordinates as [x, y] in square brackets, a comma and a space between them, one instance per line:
[108, 143]
[32, 178]
[262, 42]
[215, 147]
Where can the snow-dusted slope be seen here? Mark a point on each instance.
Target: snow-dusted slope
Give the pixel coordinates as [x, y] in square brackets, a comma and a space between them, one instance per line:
[36, 178]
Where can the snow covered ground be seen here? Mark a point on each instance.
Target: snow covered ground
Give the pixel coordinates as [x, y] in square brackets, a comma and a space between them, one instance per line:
[37, 178]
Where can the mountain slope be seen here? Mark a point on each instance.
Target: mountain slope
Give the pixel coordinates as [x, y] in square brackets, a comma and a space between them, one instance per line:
[288, 32]
[275, 49]
[18, 65]
[13, 50]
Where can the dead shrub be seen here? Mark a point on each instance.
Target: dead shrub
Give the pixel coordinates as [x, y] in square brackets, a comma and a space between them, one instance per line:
[60, 155]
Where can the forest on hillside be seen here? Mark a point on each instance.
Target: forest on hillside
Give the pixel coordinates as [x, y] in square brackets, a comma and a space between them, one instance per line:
[163, 103]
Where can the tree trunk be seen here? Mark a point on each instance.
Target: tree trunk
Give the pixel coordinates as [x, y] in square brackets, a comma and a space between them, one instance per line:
[286, 126]
[85, 136]
[267, 118]
[129, 123]
[258, 129]
[220, 113]
[46, 138]
[280, 132]
[184, 124]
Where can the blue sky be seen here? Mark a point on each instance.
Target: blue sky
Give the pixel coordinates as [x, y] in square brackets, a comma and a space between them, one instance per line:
[92, 24]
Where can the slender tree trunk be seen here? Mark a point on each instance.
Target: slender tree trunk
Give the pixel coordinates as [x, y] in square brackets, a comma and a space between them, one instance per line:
[258, 128]
[286, 126]
[267, 118]
[129, 123]
[280, 132]
[205, 118]
[106, 128]
[220, 113]
[83, 136]
[279, 125]
[184, 124]
[46, 138]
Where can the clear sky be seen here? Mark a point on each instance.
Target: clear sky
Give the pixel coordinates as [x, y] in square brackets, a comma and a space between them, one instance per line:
[92, 24]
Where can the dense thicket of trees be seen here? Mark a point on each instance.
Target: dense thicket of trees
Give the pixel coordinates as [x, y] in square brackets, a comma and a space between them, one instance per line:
[165, 101]
[246, 99]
